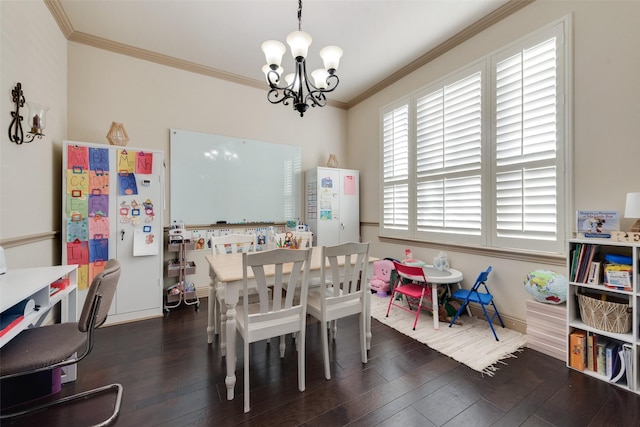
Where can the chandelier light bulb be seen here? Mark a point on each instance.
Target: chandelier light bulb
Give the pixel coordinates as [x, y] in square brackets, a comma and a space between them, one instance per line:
[331, 58]
[273, 51]
[289, 78]
[320, 78]
[299, 43]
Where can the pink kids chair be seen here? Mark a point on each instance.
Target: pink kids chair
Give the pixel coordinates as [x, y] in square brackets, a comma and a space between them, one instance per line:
[380, 282]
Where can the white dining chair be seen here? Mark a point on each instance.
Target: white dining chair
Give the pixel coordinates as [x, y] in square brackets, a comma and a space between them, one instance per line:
[277, 311]
[233, 243]
[341, 293]
[224, 245]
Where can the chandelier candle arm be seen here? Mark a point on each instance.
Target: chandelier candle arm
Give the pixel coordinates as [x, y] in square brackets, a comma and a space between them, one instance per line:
[299, 89]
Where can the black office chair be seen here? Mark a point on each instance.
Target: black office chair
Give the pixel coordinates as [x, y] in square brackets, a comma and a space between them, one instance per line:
[53, 346]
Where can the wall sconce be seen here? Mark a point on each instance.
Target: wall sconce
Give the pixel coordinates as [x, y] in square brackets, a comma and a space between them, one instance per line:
[36, 118]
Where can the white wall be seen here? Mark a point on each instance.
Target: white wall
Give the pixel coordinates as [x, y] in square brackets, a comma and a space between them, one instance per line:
[150, 99]
[606, 90]
[33, 52]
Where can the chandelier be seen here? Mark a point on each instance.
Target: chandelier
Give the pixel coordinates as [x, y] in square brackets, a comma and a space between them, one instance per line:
[299, 90]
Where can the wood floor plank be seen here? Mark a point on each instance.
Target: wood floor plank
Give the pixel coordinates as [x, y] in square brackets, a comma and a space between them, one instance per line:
[172, 377]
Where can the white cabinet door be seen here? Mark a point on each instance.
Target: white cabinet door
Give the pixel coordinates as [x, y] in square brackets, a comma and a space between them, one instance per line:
[131, 206]
[333, 205]
[349, 227]
[141, 274]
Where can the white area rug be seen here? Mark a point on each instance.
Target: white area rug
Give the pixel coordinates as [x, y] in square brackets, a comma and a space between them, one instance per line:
[472, 344]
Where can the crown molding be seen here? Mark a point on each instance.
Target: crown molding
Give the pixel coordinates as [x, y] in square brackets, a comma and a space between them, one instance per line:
[60, 17]
[72, 35]
[496, 16]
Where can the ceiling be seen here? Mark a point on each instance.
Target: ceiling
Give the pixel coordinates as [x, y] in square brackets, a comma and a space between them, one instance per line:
[382, 39]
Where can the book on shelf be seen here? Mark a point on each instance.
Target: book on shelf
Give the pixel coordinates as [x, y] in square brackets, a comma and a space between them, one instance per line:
[576, 261]
[582, 258]
[601, 357]
[595, 273]
[627, 354]
[590, 359]
[578, 349]
[611, 353]
[594, 351]
[619, 371]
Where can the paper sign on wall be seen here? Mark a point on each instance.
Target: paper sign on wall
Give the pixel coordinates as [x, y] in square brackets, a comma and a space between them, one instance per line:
[78, 157]
[99, 159]
[350, 185]
[77, 252]
[144, 163]
[145, 242]
[127, 184]
[77, 230]
[126, 161]
[98, 227]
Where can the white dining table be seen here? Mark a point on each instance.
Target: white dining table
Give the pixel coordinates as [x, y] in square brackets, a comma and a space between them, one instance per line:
[226, 280]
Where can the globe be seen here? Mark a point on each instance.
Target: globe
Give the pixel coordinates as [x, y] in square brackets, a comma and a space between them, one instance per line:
[546, 286]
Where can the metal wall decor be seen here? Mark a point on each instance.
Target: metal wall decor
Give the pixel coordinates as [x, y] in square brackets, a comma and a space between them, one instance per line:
[36, 118]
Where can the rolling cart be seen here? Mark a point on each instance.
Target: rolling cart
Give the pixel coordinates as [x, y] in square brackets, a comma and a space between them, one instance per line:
[182, 292]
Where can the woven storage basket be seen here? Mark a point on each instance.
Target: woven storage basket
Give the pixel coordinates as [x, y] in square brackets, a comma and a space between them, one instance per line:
[607, 316]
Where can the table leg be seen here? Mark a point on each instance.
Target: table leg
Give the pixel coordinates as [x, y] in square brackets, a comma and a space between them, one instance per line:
[223, 326]
[211, 312]
[230, 339]
[434, 306]
[367, 296]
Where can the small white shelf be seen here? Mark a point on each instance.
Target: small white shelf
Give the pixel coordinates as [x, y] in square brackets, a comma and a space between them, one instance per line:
[632, 298]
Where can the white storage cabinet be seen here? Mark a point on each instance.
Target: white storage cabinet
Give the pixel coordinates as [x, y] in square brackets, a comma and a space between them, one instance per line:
[128, 215]
[332, 205]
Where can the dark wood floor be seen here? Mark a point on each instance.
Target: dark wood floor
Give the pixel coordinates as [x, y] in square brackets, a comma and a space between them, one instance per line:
[171, 377]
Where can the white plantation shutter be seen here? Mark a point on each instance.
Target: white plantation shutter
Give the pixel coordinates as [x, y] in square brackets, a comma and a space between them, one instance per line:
[526, 201]
[395, 159]
[448, 123]
[448, 157]
[478, 157]
[450, 204]
[527, 143]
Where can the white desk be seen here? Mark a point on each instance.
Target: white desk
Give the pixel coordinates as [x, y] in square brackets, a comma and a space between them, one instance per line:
[33, 283]
[226, 279]
[437, 277]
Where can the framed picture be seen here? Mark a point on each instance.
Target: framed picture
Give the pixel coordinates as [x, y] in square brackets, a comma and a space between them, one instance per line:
[597, 223]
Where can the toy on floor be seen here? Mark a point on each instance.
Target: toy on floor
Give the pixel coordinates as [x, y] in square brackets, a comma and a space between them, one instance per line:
[447, 310]
[380, 282]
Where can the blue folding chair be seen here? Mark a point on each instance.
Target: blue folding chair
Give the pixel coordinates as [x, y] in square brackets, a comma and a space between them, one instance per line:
[477, 296]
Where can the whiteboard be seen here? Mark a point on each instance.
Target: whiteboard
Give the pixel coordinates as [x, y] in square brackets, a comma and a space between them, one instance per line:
[219, 178]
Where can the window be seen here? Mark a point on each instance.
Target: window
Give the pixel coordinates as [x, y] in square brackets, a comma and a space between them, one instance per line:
[476, 158]
[396, 169]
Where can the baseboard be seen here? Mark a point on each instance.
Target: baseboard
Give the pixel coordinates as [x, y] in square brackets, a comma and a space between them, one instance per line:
[509, 322]
[202, 292]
